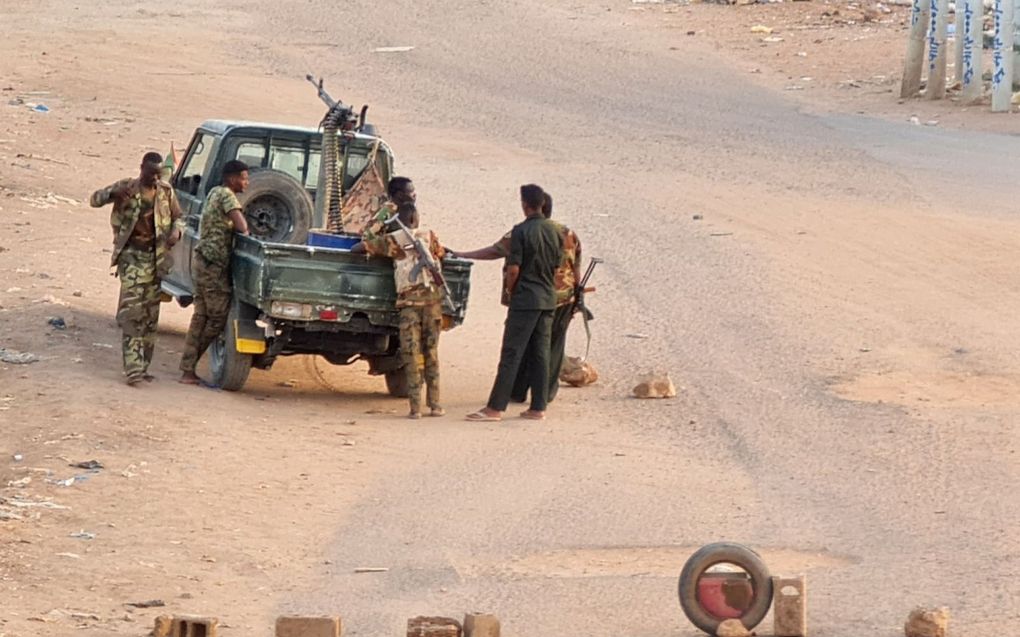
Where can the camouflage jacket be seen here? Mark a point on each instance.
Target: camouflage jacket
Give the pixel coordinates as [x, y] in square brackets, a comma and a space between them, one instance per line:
[415, 287]
[216, 233]
[377, 226]
[565, 280]
[166, 217]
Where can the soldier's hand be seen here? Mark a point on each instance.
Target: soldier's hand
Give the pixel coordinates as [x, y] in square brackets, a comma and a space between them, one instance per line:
[175, 236]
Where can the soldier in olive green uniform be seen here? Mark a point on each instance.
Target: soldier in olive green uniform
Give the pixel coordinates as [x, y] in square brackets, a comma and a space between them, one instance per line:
[146, 221]
[419, 300]
[210, 271]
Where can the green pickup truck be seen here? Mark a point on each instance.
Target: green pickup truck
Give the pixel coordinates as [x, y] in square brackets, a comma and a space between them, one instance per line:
[290, 297]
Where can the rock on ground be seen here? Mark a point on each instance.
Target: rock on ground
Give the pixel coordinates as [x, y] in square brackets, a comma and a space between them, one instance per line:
[925, 622]
[655, 385]
[732, 628]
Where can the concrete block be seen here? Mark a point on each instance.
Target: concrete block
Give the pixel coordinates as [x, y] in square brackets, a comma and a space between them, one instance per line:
[308, 627]
[480, 625]
[789, 606]
[192, 626]
[433, 627]
[163, 625]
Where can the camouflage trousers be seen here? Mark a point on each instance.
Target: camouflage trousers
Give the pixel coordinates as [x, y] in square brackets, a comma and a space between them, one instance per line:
[419, 347]
[212, 288]
[137, 310]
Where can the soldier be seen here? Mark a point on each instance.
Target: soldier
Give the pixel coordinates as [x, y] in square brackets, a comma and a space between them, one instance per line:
[536, 250]
[146, 221]
[567, 276]
[210, 271]
[420, 302]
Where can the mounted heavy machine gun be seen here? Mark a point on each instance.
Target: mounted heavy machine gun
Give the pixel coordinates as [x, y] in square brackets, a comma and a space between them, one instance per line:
[338, 126]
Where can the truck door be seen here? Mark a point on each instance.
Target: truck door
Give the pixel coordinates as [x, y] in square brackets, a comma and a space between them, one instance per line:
[190, 183]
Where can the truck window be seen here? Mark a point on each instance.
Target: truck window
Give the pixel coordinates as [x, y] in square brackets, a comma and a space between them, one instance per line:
[190, 176]
[284, 157]
[251, 154]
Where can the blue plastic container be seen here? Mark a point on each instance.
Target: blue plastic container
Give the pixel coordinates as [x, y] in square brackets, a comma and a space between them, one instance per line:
[336, 241]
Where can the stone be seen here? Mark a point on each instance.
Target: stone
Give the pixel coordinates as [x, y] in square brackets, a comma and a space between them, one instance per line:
[924, 622]
[433, 627]
[193, 626]
[578, 373]
[163, 626]
[481, 625]
[789, 606]
[655, 385]
[732, 628]
[308, 627]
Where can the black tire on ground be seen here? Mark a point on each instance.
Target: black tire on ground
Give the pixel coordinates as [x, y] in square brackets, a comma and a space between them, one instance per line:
[277, 207]
[729, 553]
[396, 383]
[230, 368]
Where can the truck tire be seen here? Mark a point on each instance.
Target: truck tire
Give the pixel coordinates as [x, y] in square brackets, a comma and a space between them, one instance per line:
[277, 207]
[230, 368]
[724, 553]
[396, 383]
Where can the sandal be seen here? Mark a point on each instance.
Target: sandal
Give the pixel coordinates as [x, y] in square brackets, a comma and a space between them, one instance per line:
[481, 416]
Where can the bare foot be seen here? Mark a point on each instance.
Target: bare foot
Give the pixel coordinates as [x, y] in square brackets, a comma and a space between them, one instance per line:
[190, 378]
[531, 414]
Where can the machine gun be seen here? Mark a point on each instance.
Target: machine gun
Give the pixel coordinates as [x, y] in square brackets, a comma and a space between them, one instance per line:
[579, 304]
[341, 114]
[427, 262]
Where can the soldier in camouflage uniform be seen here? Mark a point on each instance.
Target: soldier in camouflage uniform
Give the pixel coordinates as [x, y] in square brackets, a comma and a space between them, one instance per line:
[400, 191]
[146, 221]
[210, 272]
[567, 276]
[419, 300]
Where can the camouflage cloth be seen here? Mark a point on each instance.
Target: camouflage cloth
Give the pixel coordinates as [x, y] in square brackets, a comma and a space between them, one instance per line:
[565, 278]
[137, 310]
[365, 199]
[414, 284]
[125, 216]
[376, 226]
[216, 234]
[212, 304]
[419, 348]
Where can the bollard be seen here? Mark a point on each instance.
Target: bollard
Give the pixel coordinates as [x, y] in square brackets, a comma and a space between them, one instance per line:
[433, 627]
[187, 626]
[789, 606]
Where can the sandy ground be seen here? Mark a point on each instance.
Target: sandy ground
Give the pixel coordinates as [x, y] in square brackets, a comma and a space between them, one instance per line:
[839, 318]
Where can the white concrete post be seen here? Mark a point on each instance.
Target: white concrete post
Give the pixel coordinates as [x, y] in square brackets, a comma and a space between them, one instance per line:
[936, 88]
[914, 63]
[1002, 56]
[969, 41]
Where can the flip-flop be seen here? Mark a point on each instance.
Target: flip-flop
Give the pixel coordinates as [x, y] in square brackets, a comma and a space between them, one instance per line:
[481, 416]
[530, 415]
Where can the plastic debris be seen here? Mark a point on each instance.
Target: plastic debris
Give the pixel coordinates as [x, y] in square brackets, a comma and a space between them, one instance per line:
[393, 49]
[152, 603]
[83, 535]
[14, 357]
[91, 465]
[57, 322]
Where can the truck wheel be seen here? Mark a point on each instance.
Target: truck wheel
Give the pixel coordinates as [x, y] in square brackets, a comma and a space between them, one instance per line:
[396, 383]
[229, 367]
[277, 207]
[724, 553]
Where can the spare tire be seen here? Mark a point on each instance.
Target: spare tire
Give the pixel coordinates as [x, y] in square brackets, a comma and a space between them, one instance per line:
[725, 553]
[277, 207]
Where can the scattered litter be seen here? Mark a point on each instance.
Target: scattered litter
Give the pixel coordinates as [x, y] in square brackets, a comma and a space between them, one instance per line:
[152, 603]
[13, 290]
[393, 49]
[761, 28]
[90, 465]
[698, 217]
[57, 322]
[38, 108]
[288, 383]
[105, 345]
[371, 569]
[636, 335]
[772, 39]
[209, 558]
[49, 298]
[802, 54]
[77, 293]
[720, 234]
[865, 349]
[73, 556]
[7, 515]
[18, 457]
[129, 471]
[932, 122]
[14, 357]
[23, 482]
[915, 120]
[83, 535]
[348, 443]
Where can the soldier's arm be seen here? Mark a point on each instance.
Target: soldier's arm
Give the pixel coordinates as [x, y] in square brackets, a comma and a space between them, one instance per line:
[177, 219]
[237, 218]
[513, 262]
[497, 250]
[112, 193]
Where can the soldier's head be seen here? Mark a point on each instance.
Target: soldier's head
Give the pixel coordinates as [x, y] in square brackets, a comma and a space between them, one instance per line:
[235, 175]
[532, 198]
[547, 206]
[152, 168]
[401, 190]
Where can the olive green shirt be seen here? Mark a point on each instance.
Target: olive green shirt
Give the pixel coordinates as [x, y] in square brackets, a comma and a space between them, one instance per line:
[536, 247]
[216, 233]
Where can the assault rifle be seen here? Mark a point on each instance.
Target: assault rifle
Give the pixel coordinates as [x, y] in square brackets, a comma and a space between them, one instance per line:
[427, 262]
[579, 304]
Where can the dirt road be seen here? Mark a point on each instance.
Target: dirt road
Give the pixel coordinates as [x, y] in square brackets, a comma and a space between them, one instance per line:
[839, 317]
